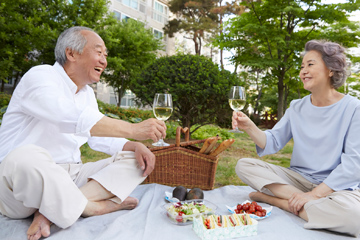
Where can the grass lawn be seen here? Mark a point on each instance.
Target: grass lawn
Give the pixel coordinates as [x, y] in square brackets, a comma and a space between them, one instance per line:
[244, 147]
[225, 174]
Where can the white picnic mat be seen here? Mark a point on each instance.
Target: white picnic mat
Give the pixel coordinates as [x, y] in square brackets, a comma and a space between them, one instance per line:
[147, 221]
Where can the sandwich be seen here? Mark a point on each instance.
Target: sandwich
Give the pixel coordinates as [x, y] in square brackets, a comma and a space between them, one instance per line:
[209, 222]
[224, 221]
[249, 221]
[232, 221]
[237, 219]
[245, 219]
[218, 220]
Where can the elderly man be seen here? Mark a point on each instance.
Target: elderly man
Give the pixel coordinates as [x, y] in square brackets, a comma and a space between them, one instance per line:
[52, 113]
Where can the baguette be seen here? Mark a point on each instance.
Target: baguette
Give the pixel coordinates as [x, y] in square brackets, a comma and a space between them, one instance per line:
[224, 145]
[208, 145]
[212, 145]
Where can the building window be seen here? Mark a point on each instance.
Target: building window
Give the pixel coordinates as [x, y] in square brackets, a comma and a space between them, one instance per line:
[160, 8]
[127, 99]
[160, 12]
[142, 6]
[10, 82]
[158, 34]
[131, 3]
[117, 15]
[120, 16]
[124, 17]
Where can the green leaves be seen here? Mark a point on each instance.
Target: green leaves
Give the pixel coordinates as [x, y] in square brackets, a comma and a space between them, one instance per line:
[131, 46]
[29, 30]
[199, 89]
[195, 18]
[272, 33]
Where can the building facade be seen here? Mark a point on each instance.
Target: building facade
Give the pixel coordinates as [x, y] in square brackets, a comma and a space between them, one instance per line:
[155, 14]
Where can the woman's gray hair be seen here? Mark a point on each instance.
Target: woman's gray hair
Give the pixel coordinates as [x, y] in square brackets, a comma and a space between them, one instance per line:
[70, 38]
[334, 58]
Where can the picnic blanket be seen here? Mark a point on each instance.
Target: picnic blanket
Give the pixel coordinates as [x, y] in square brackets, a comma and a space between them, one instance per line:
[148, 221]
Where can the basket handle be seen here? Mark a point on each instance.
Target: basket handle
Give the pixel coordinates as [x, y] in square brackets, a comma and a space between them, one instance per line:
[180, 130]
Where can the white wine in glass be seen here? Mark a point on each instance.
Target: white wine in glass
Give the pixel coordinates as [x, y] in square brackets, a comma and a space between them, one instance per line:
[237, 101]
[163, 108]
[162, 113]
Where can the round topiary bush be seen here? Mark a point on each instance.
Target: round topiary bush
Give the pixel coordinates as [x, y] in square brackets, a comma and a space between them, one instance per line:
[199, 88]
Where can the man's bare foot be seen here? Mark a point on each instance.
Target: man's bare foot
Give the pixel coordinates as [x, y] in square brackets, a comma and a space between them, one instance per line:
[40, 227]
[129, 203]
[108, 206]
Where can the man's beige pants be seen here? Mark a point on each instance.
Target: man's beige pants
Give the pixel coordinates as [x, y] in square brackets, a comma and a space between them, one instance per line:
[339, 211]
[31, 180]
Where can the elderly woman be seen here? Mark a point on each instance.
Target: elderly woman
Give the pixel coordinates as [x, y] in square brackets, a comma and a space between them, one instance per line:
[322, 184]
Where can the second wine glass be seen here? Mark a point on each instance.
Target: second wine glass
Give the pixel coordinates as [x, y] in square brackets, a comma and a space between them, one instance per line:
[237, 101]
[162, 107]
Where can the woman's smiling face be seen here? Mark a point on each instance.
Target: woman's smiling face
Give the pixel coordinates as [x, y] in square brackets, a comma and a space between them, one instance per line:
[314, 74]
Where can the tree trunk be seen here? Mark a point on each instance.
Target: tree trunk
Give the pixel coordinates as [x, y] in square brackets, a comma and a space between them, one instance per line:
[196, 44]
[280, 111]
[287, 89]
[16, 80]
[259, 89]
[200, 45]
[120, 92]
[119, 97]
[2, 86]
[221, 30]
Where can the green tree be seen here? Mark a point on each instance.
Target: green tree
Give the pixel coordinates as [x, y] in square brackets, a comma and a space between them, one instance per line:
[352, 85]
[198, 87]
[223, 10]
[131, 47]
[29, 30]
[23, 32]
[194, 18]
[272, 34]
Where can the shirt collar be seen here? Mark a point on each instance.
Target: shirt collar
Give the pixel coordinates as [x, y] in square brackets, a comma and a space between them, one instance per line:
[60, 69]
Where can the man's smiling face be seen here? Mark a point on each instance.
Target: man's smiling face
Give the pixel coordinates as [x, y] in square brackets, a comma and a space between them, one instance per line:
[92, 61]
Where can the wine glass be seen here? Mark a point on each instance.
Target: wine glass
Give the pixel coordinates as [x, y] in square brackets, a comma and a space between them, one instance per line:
[237, 101]
[162, 108]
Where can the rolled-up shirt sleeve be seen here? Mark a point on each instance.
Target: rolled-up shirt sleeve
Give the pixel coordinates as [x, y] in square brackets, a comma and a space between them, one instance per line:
[108, 145]
[277, 137]
[346, 175]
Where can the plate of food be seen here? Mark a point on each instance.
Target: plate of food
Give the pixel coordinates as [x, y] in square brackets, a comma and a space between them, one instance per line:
[182, 213]
[255, 210]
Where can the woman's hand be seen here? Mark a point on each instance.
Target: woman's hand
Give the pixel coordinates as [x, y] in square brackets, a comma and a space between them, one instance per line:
[298, 200]
[241, 121]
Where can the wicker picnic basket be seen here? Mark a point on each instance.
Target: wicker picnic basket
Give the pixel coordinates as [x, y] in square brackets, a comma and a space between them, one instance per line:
[182, 164]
